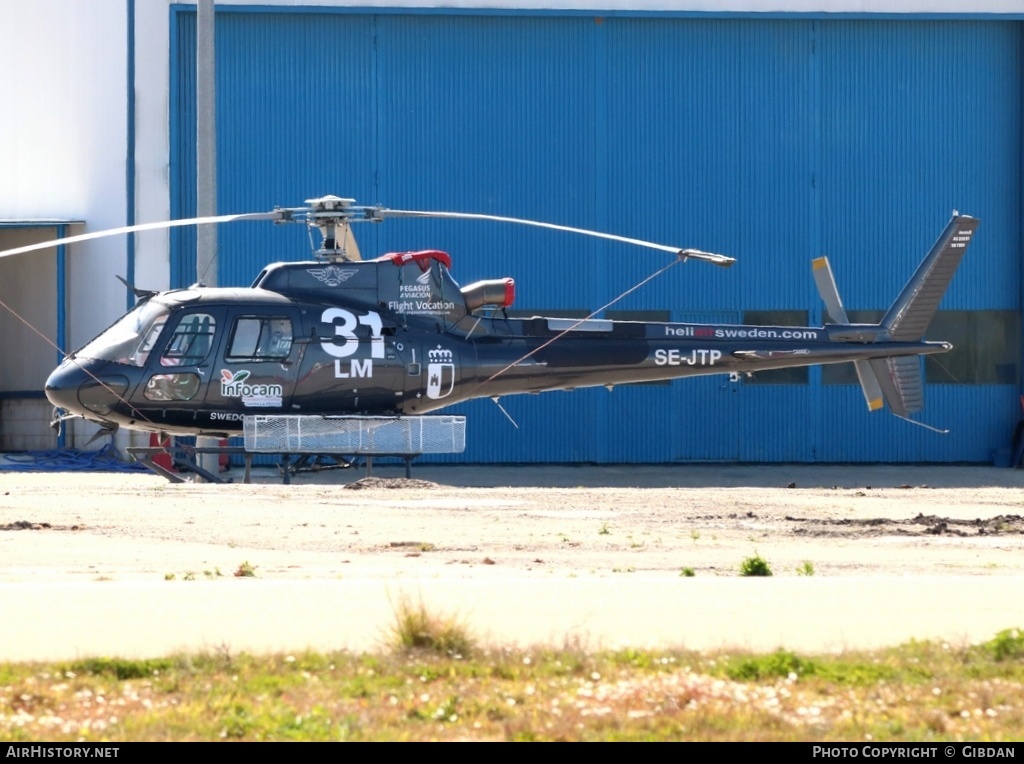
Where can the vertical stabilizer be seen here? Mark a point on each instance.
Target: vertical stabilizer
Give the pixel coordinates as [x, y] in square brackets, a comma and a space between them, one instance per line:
[909, 317]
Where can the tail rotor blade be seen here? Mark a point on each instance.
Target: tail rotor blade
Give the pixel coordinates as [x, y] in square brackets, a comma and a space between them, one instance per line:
[826, 283]
[825, 280]
[869, 385]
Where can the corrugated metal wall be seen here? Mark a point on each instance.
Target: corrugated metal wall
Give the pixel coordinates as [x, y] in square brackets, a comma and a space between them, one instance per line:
[771, 140]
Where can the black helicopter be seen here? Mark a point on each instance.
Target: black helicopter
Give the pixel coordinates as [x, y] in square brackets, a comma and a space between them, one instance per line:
[398, 336]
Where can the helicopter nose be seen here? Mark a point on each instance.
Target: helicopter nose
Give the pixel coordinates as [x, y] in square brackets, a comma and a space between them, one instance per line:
[74, 388]
[62, 386]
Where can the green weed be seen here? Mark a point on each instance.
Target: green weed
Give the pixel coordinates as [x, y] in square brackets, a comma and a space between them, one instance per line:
[1008, 644]
[120, 668]
[778, 664]
[755, 566]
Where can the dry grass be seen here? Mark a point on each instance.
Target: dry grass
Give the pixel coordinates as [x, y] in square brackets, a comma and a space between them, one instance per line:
[417, 628]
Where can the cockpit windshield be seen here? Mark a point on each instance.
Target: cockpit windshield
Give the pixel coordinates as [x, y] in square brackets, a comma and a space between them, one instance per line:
[131, 338]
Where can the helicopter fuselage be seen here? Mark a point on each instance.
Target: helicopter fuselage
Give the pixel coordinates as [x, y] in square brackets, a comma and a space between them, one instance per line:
[396, 335]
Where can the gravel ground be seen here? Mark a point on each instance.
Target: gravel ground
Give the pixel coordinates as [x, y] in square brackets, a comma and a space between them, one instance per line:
[538, 540]
[541, 520]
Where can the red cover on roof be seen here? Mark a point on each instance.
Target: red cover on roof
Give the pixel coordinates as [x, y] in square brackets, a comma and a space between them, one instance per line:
[422, 258]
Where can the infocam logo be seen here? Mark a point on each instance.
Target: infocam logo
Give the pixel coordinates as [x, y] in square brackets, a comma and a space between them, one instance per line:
[255, 394]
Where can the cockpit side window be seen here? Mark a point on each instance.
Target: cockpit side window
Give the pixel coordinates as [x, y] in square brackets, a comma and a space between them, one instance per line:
[141, 355]
[260, 338]
[191, 341]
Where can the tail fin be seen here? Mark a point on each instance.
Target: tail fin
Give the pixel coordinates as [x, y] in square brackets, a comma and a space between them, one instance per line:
[909, 316]
[898, 379]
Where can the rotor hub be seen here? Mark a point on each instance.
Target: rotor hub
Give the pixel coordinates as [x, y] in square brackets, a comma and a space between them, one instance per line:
[332, 215]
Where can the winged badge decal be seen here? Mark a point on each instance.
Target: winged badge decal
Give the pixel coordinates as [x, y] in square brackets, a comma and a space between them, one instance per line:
[332, 275]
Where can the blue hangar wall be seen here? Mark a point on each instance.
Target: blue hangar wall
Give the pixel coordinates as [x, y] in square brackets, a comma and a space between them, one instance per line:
[772, 140]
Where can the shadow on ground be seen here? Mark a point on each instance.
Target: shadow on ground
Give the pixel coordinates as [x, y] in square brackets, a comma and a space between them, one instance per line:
[670, 476]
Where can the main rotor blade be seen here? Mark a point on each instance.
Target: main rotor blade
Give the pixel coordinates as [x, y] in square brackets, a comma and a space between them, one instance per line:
[686, 254]
[276, 215]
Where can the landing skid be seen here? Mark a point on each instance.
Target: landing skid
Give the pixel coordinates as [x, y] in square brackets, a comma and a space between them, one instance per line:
[183, 460]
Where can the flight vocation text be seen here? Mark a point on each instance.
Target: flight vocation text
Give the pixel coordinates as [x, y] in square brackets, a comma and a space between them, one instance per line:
[416, 298]
[345, 342]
